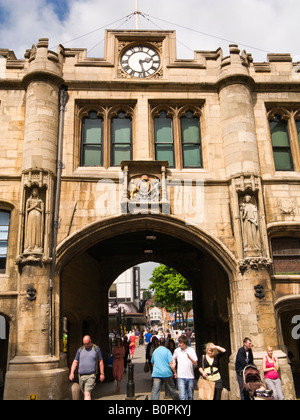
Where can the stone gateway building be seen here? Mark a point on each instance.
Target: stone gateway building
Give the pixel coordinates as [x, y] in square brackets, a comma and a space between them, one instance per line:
[139, 156]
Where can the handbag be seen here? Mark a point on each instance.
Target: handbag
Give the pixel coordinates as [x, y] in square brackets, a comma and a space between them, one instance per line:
[146, 367]
[206, 389]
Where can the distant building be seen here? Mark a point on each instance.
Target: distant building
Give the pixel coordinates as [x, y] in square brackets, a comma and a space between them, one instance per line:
[123, 294]
[155, 316]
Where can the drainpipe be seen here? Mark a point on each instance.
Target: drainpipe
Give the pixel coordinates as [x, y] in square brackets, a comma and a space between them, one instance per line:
[63, 99]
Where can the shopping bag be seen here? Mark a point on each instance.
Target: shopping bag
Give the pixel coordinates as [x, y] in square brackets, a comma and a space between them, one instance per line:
[206, 389]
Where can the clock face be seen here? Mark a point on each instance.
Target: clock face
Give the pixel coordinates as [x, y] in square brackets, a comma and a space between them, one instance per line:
[140, 61]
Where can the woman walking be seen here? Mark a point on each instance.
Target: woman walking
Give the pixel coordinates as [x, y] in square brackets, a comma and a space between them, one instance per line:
[118, 363]
[132, 344]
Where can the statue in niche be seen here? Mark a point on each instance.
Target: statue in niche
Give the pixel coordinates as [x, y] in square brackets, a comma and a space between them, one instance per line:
[144, 190]
[249, 217]
[34, 223]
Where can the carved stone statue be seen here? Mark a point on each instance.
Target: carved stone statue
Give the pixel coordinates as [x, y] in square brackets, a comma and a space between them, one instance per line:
[34, 223]
[144, 190]
[249, 217]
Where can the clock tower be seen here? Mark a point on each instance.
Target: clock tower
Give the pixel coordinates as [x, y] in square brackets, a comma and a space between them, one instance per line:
[140, 55]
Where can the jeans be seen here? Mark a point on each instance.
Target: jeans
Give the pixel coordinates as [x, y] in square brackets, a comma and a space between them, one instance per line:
[185, 388]
[169, 383]
[244, 395]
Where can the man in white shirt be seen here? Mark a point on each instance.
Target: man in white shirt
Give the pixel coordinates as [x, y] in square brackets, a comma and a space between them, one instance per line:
[186, 360]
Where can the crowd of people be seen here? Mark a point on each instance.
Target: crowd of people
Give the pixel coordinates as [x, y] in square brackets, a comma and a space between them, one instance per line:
[173, 362]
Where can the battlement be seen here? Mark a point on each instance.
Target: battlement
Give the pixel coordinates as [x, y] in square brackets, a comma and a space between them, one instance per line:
[207, 66]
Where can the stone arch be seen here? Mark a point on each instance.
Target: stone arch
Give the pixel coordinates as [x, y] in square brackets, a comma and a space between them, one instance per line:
[110, 227]
[204, 260]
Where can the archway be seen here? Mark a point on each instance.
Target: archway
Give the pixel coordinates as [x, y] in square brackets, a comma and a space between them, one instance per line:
[92, 259]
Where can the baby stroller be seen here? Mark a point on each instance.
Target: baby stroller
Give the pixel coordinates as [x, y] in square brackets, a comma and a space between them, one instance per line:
[253, 386]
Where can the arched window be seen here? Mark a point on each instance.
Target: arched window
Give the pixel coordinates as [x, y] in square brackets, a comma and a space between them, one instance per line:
[191, 141]
[92, 140]
[164, 140]
[121, 139]
[4, 229]
[281, 144]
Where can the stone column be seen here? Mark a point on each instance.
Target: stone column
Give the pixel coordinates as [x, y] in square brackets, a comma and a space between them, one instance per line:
[33, 371]
[252, 288]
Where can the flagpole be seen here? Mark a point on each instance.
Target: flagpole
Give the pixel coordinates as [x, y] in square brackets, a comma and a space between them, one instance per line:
[137, 14]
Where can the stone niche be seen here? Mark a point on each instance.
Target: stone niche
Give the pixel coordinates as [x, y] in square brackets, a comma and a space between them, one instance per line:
[144, 187]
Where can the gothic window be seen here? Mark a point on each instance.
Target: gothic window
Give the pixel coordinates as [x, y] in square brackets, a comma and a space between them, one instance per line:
[164, 141]
[4, 228]
[281, 144]
[191, 141]
[92, 138]
[177, 135]
[286, 255]
[121, 139]
[106, 135]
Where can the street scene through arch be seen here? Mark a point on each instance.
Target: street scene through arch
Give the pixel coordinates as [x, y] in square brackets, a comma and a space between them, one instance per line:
[86, 279]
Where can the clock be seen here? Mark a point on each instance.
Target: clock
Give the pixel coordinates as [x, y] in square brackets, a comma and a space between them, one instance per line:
[140, 61]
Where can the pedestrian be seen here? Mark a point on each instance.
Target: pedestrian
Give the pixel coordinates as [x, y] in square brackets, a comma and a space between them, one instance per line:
[188, 334]
[244, 358]
[132, 344]
[163, 372]
[150, 349]
[126, 347]
[86, 359]
[210, 368]
[147, 339]
[270, 369]
[186, 359]
[118, 362]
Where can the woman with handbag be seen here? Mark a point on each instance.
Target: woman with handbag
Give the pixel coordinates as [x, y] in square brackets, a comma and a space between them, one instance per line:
[210, 371]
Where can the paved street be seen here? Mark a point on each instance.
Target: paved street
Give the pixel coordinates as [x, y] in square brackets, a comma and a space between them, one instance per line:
[143, 382]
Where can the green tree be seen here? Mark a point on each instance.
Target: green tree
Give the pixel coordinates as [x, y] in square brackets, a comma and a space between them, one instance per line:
[167, 283]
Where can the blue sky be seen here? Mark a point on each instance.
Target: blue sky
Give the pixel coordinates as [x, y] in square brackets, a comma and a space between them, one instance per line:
[259, 26]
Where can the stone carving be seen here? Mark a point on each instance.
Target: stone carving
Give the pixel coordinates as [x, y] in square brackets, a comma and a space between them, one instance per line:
[255, 263]
[249, 217]
[287, 206]
[34, 224]
[144, 190]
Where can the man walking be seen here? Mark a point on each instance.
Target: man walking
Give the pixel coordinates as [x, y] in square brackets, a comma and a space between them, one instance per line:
[163, 372]
[186, 360]
[244, 358]
[87, 358]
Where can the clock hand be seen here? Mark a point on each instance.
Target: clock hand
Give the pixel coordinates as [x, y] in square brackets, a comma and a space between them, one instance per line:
[142, 66]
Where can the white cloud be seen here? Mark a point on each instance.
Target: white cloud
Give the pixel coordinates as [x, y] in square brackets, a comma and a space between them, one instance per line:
[269, 25]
